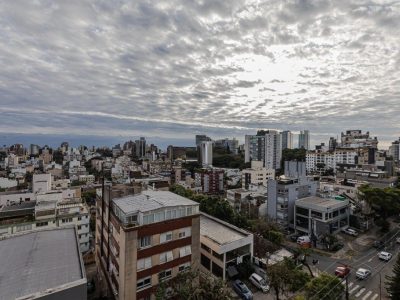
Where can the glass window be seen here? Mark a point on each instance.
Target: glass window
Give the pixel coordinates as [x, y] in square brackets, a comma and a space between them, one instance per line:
[144, 263]
[168, 215]
[189, 211]
[145, 241]
[165, 274]
[184, 251]
[143, 283]
[165, 237]
[166, 256]
[205, 248]
[184, 267]
[185, 232]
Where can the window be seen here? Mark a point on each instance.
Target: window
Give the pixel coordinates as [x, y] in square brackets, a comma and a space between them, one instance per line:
[166, 237]
[42, 224]
[148, 219]
[79, 218]
[79, 227]
[205, 248]
[145, 241]
[165, 274]
[143, 283]
[144, 263]
[184, 232]
[187, 250]
[188, 211]
[67, 220]
[184, 267]
[166, 256]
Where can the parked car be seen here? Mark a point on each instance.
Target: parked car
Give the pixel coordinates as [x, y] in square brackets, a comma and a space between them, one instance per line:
[259, 282]
[398, 240]
[242, 290]
[363, 273]
[350, 231]
[383, 255]
[379, 244]
[337, 247]
[303, 239]
[342, 271]
[294, 237]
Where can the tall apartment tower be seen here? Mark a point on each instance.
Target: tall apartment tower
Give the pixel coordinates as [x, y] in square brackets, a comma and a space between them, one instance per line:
[273, 150]
[304, 139]
[140, 146]
[145, 239]
[206, 155]
[266, 146]
[202, 138]
[287, 140]
[394, 150]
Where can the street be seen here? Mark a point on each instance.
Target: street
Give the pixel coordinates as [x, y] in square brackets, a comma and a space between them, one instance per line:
[374, 286]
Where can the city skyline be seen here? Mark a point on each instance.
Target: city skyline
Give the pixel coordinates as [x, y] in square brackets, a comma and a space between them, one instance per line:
[175, 69]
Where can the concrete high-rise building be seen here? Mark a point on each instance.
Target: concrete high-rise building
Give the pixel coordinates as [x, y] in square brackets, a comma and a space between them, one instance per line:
[332, 144]
[357, 139]
[283, 193]
[211, 181]
[304, 139]
[273, 150]
[34, 149]
[287, 140]
[145, 239]
[394, 150]
[202, 138]
[206, 154]
[257, 175]
[266, 146]
[140, 147]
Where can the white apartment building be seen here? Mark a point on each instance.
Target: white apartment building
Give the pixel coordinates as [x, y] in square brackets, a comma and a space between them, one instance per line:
[256, 175]
[318, 161]
[206, 154]
[47, 214]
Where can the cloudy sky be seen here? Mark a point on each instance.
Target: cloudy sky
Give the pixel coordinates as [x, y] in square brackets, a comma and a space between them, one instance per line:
[176, 68]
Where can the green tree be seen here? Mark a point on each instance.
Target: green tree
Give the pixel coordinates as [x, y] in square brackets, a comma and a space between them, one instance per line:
[325, 286]
[393, 282]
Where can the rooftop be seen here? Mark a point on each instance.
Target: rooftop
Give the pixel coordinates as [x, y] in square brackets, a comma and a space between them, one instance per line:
[150, 200]
[39, 260]
[321, 202]
[219, 231]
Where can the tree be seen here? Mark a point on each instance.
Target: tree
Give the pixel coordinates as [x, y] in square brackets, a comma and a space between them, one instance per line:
[393, 282]
[189, 285]
[278, 275]
[325, 286]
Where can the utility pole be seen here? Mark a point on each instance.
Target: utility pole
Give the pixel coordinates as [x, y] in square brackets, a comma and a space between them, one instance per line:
[380, 286]
[347, 287]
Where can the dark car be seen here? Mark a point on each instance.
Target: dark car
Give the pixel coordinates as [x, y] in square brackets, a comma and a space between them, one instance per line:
[242, 290]
[379, 244]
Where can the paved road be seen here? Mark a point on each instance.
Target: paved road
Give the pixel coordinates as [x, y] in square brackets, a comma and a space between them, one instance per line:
[370, 288]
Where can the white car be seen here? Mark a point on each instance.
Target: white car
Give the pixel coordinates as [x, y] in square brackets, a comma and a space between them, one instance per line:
[259, 282]
[350, 231]
[363, 273]
[383, 255]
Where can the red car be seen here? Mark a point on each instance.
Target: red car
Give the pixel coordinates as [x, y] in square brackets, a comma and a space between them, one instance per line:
[342, 271]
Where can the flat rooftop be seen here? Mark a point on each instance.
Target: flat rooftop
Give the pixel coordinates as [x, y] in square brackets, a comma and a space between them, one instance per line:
[151, 200]
[321, 202]
[219, 231]
[39, 260]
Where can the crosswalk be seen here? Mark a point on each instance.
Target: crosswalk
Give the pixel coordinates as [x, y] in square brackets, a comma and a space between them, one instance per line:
[358, 291]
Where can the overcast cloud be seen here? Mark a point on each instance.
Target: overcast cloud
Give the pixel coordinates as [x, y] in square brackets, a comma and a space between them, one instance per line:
[177, 68]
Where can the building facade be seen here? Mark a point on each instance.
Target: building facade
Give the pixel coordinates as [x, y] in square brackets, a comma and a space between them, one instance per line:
[304, 139]
[256, 175]
[287, 140]
[319, 216]
[145, 239]
[223, 245]
[211, 181]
